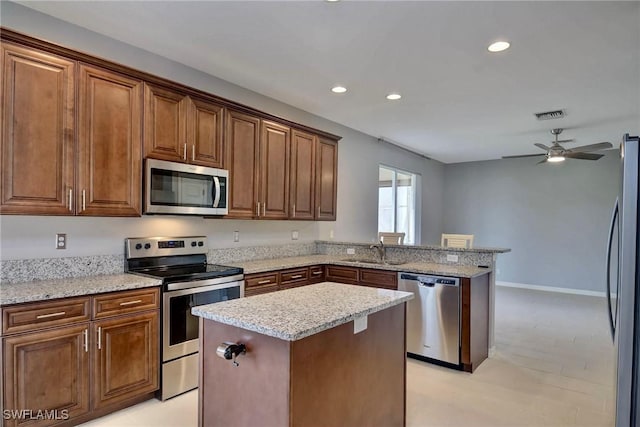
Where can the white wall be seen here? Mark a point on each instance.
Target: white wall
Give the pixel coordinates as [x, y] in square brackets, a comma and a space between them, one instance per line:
[358, 158]
[554, 217]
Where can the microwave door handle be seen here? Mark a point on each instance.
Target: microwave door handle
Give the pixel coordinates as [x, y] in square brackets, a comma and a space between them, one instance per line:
[614, 217]
[216, 189]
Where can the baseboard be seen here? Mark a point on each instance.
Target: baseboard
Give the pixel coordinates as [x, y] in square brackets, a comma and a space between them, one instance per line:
[551, 289]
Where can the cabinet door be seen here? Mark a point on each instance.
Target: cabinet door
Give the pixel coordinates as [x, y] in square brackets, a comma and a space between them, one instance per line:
[47, 371]
[241, 148]
[37, 132]
[274, 170]
[165, 133]
[326, 179]
[110, 141]
[340, 274]
[205, 134]
[303, 169]
[125, 361]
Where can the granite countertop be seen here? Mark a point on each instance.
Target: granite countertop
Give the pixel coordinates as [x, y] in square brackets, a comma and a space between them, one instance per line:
[424, 247]
[419, 267]
[297, 313]
[76, 286]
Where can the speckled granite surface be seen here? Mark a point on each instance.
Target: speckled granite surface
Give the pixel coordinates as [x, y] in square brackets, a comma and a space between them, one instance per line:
[330, 243]
[229, 255]
[410, 267]
[26, 270]
[62, 288]
[296, 313]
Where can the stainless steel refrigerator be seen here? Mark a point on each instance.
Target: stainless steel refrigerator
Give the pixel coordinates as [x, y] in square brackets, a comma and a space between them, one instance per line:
[623, 287]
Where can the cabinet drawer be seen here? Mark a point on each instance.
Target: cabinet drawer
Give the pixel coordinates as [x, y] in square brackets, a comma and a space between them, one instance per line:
[316, 274]
[379, 278]
[254, 281]
[342, 274]
[117, 303]
[32, 316]
[292, 277]
[260, 290]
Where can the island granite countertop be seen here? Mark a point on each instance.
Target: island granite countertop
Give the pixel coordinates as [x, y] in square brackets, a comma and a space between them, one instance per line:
[297, 313]
[419, 267]
[16, 293]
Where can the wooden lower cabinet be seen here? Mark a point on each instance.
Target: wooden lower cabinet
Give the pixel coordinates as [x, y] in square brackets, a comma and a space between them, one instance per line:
[349, 275]
[66, 374]
[126, 361]
[378, 278]
[46, 370]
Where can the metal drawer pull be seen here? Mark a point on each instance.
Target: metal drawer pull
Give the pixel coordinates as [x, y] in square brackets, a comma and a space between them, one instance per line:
[99, 338]
[294, 210]
[84, 200]
[44, 316]
[258, 209]
[70, 199]
[297, 276]
[86, 340]
[264, 209]
[315, 273]
[262, 282]
[184, 152]
[131, 302]
[193, 152]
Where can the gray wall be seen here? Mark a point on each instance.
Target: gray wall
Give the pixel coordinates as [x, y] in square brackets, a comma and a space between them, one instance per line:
[554, 217]
[359, 156]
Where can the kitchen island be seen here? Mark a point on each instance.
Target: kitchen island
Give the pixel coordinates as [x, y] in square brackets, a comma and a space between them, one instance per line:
[319, 355]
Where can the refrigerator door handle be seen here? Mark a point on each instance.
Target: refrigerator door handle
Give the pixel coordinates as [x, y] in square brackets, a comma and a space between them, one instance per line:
[614, 217]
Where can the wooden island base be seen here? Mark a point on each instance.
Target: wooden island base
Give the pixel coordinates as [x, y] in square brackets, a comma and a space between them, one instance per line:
[333, 378]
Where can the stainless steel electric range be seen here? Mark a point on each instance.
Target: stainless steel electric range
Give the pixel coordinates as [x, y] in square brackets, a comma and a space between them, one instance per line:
[187, 281]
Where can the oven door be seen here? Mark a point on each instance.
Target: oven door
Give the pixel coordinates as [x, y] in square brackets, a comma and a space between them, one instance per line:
[179, 326]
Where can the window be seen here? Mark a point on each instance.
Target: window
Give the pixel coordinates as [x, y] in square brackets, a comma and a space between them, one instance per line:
[397, 202]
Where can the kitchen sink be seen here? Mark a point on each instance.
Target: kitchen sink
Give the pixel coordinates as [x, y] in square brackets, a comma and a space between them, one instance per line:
[368, 261]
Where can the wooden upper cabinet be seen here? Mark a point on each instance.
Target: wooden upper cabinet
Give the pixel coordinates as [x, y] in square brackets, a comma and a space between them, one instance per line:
[275, 144]
[37, 132]
[110, 142]
[242, 138]
[204, 133]
[326, 179]
[302, 175]
[165, 117]
[182, 129]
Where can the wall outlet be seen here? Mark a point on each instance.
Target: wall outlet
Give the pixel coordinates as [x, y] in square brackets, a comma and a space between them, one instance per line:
[351, 251]
[295, 235]
[331, 234]
[452, 258]
[236, 236]
[61, 241]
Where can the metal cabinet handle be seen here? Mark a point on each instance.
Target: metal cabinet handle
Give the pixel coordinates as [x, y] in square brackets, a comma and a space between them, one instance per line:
[264, 282]
[297, 276]
[315, 273]
[86, 340]
[71, 198]
[184, 152]
[45, 316]
[131, 302]
[258, 209]
[193, 152]
[294, 210]
[84, 200]
[264, 208]
[318, 211]
[99, 338]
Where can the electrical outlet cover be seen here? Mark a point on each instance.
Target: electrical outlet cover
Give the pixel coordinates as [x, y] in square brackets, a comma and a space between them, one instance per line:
[452, 258]
[351, 251]
[236, 236]
[295, 235]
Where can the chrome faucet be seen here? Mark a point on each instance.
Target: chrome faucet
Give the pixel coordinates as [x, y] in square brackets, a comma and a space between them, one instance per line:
[382, 251]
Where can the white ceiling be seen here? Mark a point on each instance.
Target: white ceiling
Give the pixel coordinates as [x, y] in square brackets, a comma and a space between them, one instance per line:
[459, 102]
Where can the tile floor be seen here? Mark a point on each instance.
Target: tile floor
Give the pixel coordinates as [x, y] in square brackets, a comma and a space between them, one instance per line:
[553, 367]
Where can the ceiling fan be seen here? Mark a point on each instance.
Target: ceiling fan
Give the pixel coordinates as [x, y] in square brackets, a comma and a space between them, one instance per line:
[557, 153]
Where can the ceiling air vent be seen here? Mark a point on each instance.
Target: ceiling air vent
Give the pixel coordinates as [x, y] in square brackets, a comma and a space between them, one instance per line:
[550, 115]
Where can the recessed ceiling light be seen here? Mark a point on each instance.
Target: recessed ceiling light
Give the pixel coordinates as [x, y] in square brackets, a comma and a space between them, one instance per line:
[338, 89]
[498, 46]
[394, 96]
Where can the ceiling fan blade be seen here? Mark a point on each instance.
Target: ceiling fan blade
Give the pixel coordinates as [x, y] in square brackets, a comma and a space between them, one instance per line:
[542, 161]
[544, 147]
[592, 147]
[583, 156]
[563, 141]
[523, 155]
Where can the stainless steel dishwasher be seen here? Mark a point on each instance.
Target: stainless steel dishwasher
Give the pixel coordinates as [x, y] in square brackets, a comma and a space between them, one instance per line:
[433, 317]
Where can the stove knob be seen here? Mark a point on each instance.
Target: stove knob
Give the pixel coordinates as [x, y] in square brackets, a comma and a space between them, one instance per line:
[139, 246]
[193, 243]
[147, 245]
[200, 243]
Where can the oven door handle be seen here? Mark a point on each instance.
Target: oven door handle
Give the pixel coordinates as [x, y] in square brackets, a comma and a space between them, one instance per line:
[198, 286]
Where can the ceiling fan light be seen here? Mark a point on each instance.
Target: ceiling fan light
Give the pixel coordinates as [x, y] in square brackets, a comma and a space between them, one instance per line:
[556, 159]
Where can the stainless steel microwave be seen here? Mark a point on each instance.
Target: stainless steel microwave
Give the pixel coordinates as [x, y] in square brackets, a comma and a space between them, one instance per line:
[182, 189]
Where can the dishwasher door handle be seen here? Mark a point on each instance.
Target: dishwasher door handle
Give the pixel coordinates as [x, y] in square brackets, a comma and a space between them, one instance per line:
[427, 285]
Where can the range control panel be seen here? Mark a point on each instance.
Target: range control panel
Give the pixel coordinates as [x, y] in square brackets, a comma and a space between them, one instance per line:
[143, 247]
